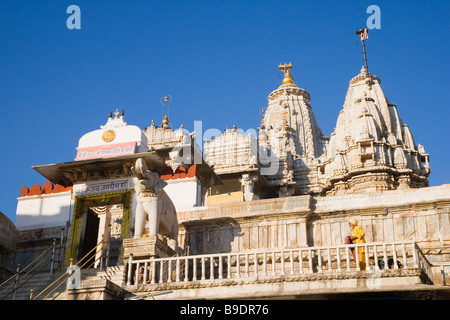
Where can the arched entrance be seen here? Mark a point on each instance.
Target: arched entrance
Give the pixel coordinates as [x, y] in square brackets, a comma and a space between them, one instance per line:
[94, 218]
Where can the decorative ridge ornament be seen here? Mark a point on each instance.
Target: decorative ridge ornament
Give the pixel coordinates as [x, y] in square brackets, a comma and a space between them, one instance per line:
[165, 101]
[117, 121]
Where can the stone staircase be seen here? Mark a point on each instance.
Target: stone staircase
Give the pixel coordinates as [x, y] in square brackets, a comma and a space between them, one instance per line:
[41, 280]
[113, 274]
[37, 282]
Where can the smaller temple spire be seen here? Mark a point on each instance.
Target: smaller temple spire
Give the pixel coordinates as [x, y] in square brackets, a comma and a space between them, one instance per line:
[287, 76]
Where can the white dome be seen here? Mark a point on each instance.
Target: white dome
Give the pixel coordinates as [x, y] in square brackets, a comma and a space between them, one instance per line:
[114, 133]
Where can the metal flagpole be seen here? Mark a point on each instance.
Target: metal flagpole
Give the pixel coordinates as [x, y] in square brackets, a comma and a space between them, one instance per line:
[364, 52]
[363, 34]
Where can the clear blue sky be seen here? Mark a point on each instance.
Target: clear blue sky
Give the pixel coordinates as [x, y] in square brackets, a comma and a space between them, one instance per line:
[217, 59]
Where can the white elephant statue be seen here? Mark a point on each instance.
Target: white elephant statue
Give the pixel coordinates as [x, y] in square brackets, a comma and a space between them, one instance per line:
[155, 205]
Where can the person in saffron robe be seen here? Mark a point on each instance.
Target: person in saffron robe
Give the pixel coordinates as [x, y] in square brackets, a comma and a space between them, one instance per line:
[358, 237]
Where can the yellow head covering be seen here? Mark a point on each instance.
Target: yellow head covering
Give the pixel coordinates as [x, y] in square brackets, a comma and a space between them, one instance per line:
[353, 222]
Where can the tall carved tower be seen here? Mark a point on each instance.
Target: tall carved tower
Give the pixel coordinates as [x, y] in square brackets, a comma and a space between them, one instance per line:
[290, 135]
[371, 149]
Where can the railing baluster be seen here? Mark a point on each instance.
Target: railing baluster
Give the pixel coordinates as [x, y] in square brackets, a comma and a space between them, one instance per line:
[394, 256]
[375, 255]
[264, 263]
[415, 260]
[211, 268]
[256, 265]
[145, 272]
[329, 259]
[291, 258]
[161, 271]
[194, 269]
[246, 265]
[186, 269]
[169, 271]
[319, 260]
[338, 257]
[300, 261]
[153, 271]
[229, 266]
[347, 256]
[358, 267]
[385, 256]
[273, 262]
[177, 272]
[366, 249]
[405, 256]
[282, 262]
[220, 267]
[238, 267]
[130, 266]
[310, 261]
[203, 268]
[136, 279]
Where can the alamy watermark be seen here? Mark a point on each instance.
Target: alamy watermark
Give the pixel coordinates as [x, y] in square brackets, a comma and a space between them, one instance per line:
[374, 21]
[74, 20]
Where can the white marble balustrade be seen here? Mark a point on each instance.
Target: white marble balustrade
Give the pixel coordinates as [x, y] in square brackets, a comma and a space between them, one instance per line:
[278, 262]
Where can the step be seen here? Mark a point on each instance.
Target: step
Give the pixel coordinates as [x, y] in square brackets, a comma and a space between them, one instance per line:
[38, 282]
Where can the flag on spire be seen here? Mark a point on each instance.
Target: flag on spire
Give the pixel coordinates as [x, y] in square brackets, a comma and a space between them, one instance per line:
[364, 35]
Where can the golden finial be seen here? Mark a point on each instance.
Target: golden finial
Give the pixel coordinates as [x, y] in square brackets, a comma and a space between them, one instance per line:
[287, 76]
[165, 121]
[165, 101]
[116, 114]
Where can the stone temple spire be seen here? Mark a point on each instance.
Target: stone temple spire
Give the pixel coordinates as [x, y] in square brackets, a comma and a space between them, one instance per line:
[289, 131]
[371, 149]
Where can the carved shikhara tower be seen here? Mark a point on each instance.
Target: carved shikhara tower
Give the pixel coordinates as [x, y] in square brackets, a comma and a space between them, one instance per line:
[289, 131]
[371, 149]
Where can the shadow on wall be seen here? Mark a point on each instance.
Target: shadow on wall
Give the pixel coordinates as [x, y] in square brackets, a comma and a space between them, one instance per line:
[218, 237]
[8, 244]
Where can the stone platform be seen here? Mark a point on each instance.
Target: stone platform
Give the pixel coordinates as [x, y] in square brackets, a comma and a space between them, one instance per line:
[146, 248]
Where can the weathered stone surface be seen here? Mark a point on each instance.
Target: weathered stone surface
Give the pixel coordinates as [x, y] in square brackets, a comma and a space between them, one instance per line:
[98, 289]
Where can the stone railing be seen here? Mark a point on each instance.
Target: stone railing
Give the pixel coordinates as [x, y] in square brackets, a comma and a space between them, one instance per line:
[278, 262]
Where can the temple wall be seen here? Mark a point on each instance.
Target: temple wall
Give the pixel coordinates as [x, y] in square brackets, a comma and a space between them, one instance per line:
[421, 215]
[46, 210]
[184, 193]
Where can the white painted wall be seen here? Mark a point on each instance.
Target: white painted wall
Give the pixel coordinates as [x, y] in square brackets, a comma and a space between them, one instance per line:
[51, 210]
[184, 193]
[43, 211]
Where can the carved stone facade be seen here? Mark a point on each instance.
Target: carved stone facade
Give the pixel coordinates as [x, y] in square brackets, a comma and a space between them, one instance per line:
[290, 188]
[371, 149]
[422, 215]
[289, 132]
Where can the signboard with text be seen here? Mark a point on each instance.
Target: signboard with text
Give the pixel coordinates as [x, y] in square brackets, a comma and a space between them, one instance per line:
[106, 151]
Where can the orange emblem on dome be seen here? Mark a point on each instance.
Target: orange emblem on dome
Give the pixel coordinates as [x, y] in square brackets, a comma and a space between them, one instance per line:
[108, 135]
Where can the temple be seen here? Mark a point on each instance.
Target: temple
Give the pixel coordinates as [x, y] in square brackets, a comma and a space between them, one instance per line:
[150, 214]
